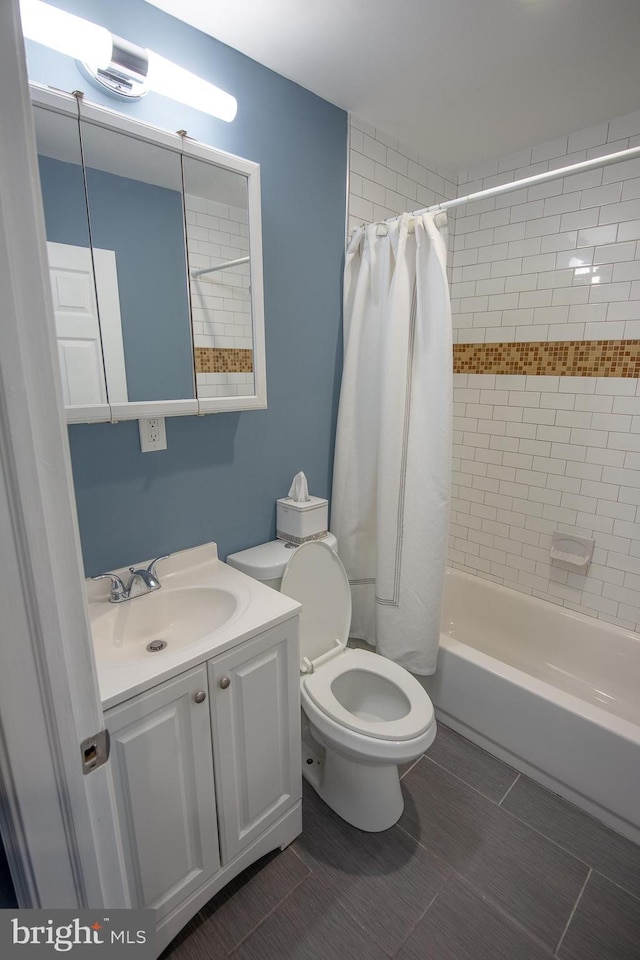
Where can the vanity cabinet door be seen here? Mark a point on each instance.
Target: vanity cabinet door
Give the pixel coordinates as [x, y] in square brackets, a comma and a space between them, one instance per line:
[256, 735]
[162, 779]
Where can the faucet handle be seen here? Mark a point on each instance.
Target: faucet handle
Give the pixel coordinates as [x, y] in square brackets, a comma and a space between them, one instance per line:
[118, 589]
[151, 569]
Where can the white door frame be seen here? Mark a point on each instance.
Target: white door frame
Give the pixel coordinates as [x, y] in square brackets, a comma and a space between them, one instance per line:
[57, 824]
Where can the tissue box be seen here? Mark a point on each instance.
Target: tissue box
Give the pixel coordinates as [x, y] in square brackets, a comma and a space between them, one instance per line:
[300, 520]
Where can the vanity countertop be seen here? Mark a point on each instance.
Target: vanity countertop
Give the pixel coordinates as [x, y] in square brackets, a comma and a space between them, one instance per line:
[257, 607]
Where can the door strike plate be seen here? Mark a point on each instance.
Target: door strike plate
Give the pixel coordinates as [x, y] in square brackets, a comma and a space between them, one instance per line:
[95, 751]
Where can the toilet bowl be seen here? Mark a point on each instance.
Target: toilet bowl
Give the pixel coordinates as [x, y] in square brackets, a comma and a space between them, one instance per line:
[362, 714]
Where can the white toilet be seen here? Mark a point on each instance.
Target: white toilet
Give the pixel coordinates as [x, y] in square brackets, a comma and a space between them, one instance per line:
[362, 714]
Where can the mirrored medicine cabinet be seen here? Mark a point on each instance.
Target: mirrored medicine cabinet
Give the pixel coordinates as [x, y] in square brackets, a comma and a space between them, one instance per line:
[155, 257]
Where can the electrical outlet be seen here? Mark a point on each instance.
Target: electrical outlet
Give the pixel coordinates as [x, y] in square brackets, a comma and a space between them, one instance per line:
[152, 434]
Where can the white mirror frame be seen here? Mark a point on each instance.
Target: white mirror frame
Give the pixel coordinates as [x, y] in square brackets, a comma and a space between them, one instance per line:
[67, 105]
[257, 400]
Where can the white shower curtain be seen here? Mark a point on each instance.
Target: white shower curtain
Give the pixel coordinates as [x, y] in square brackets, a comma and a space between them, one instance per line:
[393, 447]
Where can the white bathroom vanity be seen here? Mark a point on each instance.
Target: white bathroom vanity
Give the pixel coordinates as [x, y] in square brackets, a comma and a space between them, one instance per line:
[205, 732]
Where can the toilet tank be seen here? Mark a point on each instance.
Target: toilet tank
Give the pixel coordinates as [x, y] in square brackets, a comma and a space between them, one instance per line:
[267, 561]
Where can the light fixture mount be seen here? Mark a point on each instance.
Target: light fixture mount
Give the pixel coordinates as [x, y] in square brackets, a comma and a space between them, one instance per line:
[118, 67]
[126, 75]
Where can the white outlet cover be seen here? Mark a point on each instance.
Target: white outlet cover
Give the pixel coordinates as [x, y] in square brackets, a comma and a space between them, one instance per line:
[153, 435]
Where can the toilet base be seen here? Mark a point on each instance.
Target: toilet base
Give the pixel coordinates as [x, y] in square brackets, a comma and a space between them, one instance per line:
[368, 796]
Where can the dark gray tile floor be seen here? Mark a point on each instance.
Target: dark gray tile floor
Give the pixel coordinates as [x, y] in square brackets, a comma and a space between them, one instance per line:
[484, 864]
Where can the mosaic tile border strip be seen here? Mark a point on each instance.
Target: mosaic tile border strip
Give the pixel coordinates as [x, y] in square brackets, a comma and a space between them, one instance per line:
[558, 358]
[223, 360]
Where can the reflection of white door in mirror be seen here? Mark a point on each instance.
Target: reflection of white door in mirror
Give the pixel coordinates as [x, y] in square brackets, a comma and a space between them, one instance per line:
[85, 362]
[106, 274]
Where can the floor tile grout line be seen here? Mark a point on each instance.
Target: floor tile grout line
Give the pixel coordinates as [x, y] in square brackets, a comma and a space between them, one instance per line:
[360, 925]
[417, 760]
[502, 911]
[566, 849]
[200, 914]
[273, 909]
[571, 915]
[425, 911]
[431, 852]
[487, 897]
[507, 812]
[449, 866]
[572, 853]
[449, 873]
[295, 852]
[460, 780]
[514, 816]
[481, 893]
[269, 914]
[518, 775]
[616, 883]
[355, 919]
[521, 819]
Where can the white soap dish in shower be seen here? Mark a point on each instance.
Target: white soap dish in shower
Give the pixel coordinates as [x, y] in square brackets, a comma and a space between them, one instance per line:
[570, 550]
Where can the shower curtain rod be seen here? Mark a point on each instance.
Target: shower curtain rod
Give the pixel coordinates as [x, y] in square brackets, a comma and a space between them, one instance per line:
[220, 266]
[528, 181]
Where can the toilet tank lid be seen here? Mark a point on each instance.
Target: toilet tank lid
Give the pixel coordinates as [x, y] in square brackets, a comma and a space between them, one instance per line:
[268, 560]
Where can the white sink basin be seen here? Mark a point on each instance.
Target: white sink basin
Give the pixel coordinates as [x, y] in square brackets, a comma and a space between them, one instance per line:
[168, 619]
[202, 609]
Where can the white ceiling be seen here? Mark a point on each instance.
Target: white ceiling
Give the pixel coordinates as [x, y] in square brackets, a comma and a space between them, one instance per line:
[462, 81]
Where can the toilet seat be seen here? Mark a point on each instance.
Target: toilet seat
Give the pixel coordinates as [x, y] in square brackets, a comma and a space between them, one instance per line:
[393, 705]
[315, 577]
[406, 691]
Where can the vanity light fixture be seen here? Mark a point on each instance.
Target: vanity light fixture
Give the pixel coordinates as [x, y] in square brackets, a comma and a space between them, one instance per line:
[121, 68]
[65, 32]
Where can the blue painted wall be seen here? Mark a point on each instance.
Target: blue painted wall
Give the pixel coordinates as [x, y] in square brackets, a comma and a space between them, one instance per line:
[143, 224]
[64, 202]
[221, 474]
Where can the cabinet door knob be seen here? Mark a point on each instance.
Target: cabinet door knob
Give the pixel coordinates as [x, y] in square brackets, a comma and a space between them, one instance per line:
[225, 682]
[200, 696]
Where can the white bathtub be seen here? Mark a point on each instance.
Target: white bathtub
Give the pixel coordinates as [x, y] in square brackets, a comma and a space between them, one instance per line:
[553, 693]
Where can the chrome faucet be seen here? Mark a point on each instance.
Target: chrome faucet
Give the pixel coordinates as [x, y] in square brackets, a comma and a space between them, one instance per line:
[119, 593]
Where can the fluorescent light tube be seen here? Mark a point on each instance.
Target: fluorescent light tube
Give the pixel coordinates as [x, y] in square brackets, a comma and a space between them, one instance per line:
[179, 84]
[66, 33]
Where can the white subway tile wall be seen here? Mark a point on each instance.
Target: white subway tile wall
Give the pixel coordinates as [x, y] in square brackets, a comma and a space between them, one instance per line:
[538, 454]
[387, 178]
[221, 301]
[225, 384]
[557, 261]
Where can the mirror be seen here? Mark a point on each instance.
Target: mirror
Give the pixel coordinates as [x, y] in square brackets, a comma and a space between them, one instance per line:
[217, 226]
[134, 195]
[75, 307]
[155, 256]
